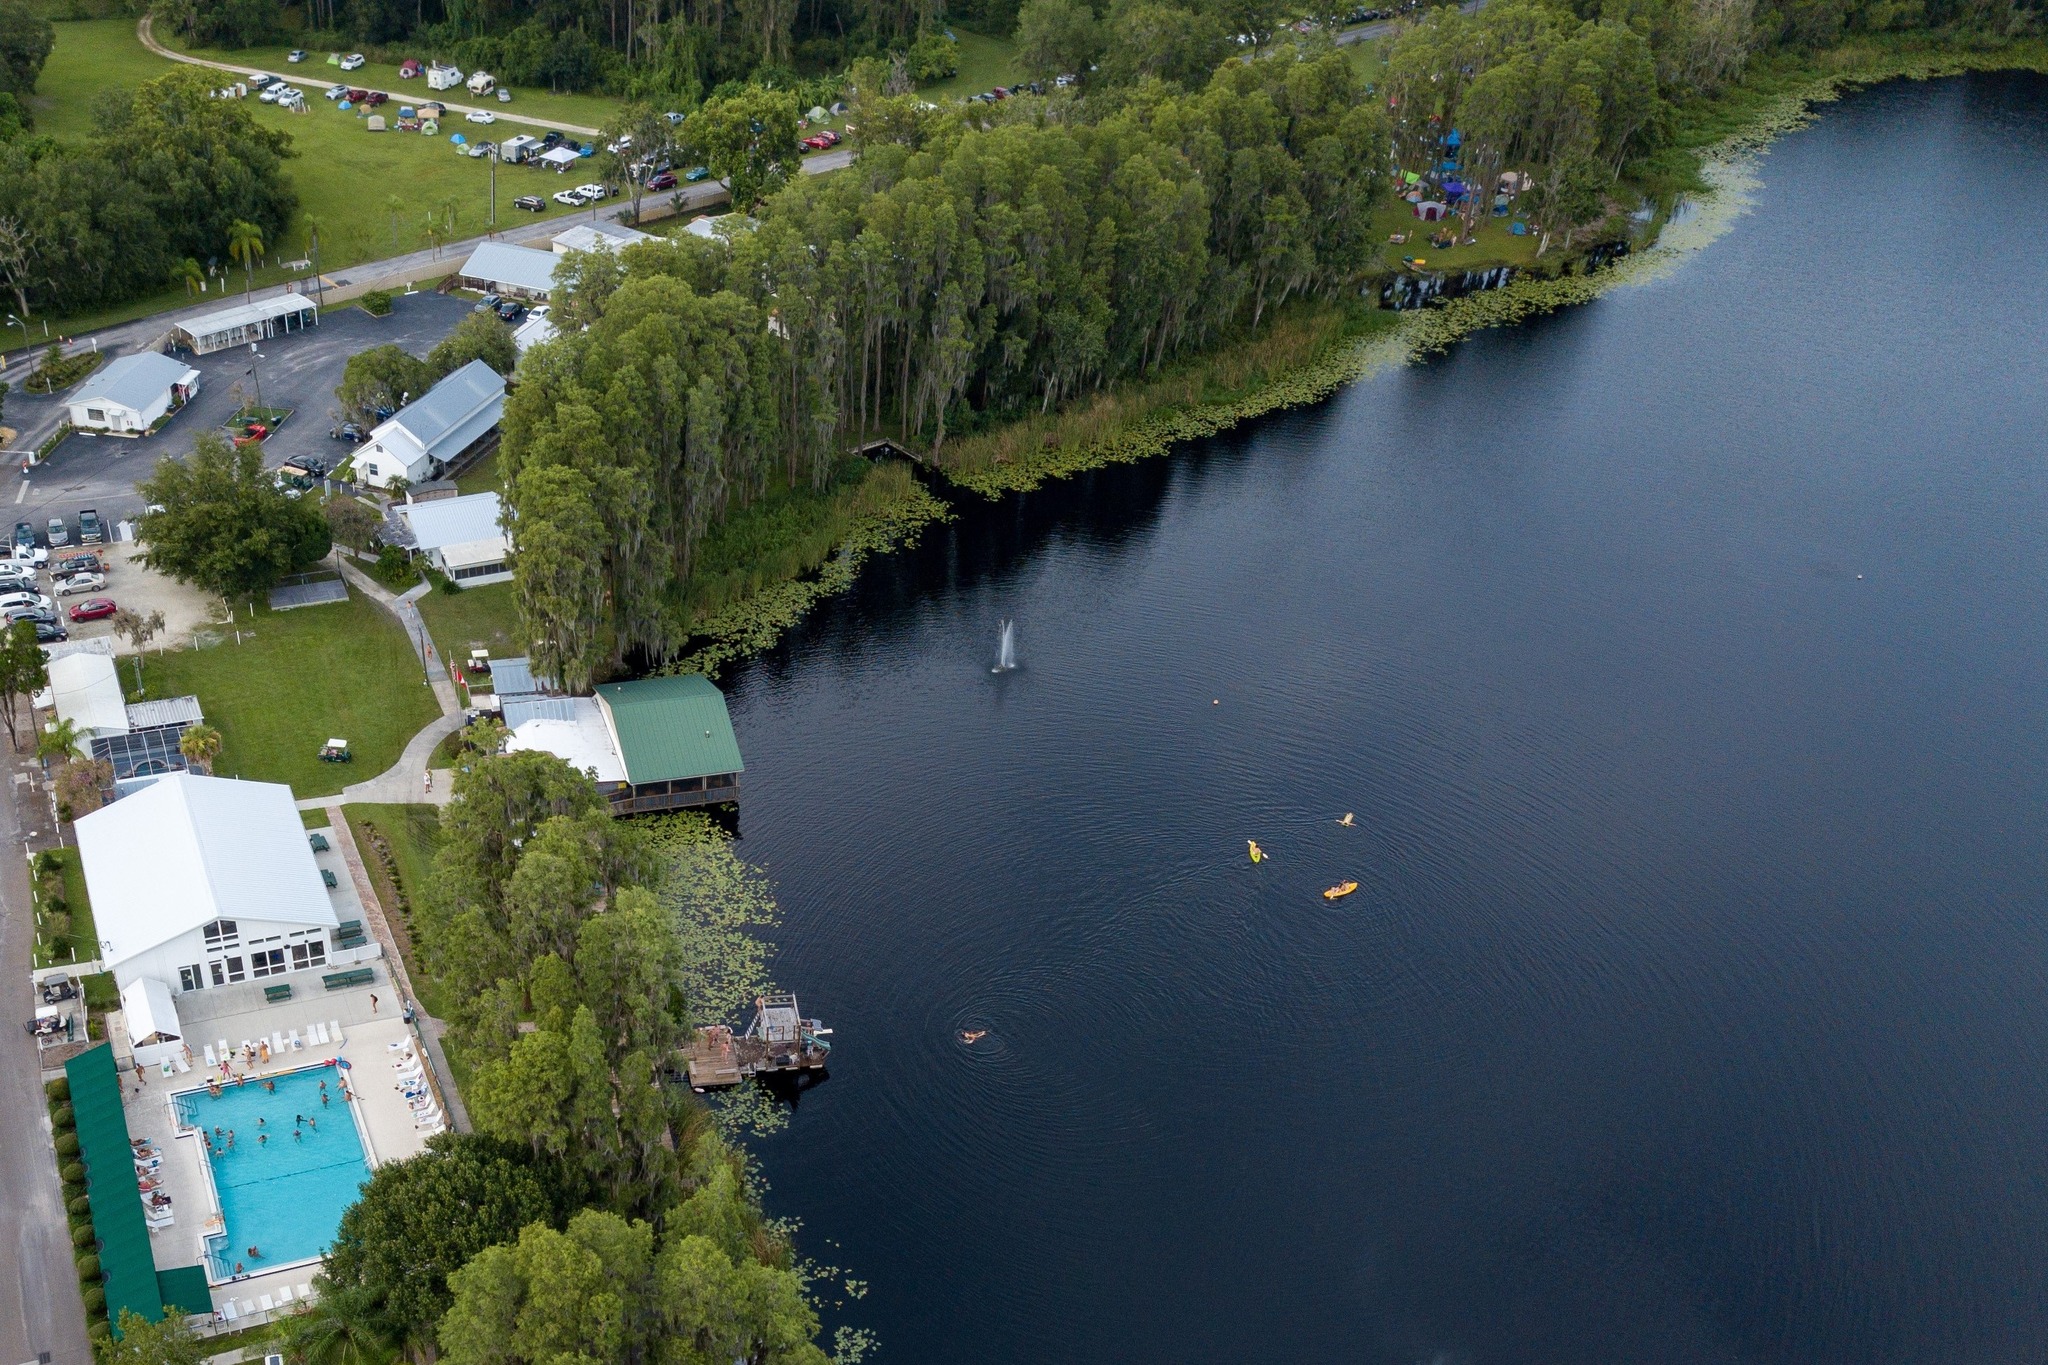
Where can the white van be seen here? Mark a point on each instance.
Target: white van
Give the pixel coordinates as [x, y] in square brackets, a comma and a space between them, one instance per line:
[442, 76]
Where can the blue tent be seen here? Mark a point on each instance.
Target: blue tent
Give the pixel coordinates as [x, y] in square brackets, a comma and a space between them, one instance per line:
[1519, 228]
[1455, 138]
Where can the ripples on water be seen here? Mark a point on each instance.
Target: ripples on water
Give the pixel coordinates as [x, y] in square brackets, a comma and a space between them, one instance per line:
[1691, 1004]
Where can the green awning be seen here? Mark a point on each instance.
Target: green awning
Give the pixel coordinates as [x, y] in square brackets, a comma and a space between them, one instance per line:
[184, 1289]
[125, 1260]
[670, 728]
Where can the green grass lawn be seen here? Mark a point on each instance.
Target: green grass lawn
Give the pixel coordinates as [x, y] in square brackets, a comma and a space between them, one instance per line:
[587, 111]
[475, 618]
[296, 678]
[371, 193]
[985, 62]
[80, 939]
[481, 477]
[1495, 244]
[412, 833]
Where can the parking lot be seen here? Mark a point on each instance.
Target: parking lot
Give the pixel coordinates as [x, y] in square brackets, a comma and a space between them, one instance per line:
[298, 371]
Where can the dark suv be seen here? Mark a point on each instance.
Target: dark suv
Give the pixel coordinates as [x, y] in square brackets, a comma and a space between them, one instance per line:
[532, 203]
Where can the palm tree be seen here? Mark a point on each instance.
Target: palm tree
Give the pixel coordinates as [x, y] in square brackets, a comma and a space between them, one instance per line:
[200, 744]
[340, 1327]
[245, 244]
[392, 205]
[58, 740]
[188, 273]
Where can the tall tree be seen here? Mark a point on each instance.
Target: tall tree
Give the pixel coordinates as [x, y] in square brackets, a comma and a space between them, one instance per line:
[245, 244]
[225, 526]
[24, 671]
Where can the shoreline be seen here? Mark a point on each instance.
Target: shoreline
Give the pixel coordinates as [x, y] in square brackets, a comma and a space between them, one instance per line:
[1370, 341]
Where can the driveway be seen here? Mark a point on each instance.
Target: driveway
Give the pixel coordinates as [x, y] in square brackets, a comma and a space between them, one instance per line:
[299, 371]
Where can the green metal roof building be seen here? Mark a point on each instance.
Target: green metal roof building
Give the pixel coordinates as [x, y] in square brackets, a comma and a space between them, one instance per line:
[675, 739]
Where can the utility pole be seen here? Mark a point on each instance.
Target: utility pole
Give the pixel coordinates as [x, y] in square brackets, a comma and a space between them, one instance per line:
[254, 372]
[494, 186]
[319, 285]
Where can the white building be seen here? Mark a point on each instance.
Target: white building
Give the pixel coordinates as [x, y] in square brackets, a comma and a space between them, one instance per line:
[85, 689]
[432, 432]
[537, 328]
[598, 237]
[202, 881]
[516, 272]
[462, 537]
[128, 394]
[246, 322]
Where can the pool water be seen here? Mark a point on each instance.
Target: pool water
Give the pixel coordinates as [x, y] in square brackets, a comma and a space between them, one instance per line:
[282, 1195]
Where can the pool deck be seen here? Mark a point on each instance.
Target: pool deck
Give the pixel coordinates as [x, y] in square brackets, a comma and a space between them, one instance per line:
[237, 1013]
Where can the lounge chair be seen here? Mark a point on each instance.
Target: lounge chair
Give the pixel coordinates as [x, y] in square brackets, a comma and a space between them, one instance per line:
[335, 1024]
[276, 1044]
[433, 1129]
[305, 1293]
[211, 1060]
[263, 1302]
[284, 1295]
[293, 1039]
[226, 1053]
[228, 1312]
[324, 1040]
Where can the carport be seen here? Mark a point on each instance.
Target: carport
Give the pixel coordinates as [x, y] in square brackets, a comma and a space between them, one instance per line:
[246, 322]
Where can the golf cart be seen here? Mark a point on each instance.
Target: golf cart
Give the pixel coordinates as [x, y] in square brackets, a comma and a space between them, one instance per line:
[480, 661]
[336, 751]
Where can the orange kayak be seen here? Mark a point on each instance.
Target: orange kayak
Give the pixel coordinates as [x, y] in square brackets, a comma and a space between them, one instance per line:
[1340, 890]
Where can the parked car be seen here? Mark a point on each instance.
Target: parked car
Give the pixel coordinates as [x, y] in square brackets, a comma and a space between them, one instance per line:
[60, 534]
[375, 98]
[12, 600]
[550, 140]
[357, 96]
[592, 192]
[480, 116]
[352, 62]
[337, 92]
[532, 203]
[81, 582]
[50, 633]
[568, 199]
[291, 98]
[673, 118]
[347, 431]
[25, 582]
[71, 564]
[35, 614]
[94, 609]
[90, 532]
[665, 181]
[476, 149]
[696, 173]
[813, 143]
[31, 554]
[304, 466]
[511, 311]
[486, 303]
[24, 538]
[259, 81]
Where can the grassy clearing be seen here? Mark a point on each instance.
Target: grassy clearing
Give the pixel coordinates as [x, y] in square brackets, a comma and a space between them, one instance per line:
[66, 933]
[371, 193]
[409, 834]
[1495, 245]
[475, 618]
[296, 678]
[985, 62]
[587, 111]
[482, 477]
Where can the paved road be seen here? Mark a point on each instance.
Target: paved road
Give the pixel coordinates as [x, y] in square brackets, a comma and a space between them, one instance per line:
[39, 1305]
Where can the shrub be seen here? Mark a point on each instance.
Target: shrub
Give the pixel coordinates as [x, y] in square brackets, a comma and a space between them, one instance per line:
[377, 303]
[96, 1302]
[73, 1174]
[79, 1206]
[83, 1235]
[63, 1117]
[46, 863]
[88, 1268]
[67, 1144]
[59, 1090]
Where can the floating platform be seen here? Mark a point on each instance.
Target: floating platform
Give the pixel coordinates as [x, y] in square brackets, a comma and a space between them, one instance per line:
[779, 1040]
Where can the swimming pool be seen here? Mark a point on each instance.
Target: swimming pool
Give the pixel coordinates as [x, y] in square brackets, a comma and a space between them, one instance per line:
[282, 1195]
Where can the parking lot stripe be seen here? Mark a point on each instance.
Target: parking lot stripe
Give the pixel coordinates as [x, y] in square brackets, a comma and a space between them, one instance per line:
[18, 497]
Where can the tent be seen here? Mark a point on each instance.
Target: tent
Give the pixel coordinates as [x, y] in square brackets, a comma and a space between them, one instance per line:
[376, 124]
[1514, 182]
[153, 1026]
[1430, 211]
[1454, 189]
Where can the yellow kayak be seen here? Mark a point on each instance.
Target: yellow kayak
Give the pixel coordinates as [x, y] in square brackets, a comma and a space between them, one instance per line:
[1340, 890]
[1258, 854]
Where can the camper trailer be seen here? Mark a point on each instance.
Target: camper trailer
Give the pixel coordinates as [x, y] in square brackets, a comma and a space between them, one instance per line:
[482, 83]
[442, 76]
[518, 149]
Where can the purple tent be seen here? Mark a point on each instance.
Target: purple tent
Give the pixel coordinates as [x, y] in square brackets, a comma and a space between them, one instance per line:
[1454, 189]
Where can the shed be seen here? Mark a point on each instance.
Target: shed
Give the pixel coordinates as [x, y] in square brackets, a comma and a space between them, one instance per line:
[246, 322]
[513, 271]
[129, 394]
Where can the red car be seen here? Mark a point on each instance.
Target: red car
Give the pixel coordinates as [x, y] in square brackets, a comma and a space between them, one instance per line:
[374, 98]
[256, 431]
[358, 96]
[816, 142]
[665, 181]
[831, 138]
[93, 609]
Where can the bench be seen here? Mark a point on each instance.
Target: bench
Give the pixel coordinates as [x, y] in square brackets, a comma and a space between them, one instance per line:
[349, 928]
[273, 994]
[341, 981]
[319, 842]
[326, 875]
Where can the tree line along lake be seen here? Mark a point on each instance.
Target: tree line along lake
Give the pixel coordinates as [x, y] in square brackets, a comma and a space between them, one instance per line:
[1682, 658]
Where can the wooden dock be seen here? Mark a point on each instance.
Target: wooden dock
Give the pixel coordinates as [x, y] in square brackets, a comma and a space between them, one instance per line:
[779, 1041]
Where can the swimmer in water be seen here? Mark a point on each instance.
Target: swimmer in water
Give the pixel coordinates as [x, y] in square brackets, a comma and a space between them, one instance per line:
[973, 1035]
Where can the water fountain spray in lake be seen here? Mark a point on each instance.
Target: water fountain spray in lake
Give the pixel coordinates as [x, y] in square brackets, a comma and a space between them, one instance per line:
[1006, 649]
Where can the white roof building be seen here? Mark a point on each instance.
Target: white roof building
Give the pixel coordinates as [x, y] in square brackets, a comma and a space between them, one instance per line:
[199, 881]
[598, 237]
[428, 434]
[85, 689]
[462, 537]
[574, 730]
[246, 322]
[154, 1031]
[537, 328]
[513, 271]
[130, 393]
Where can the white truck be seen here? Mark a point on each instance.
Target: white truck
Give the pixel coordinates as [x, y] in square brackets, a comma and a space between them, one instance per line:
[442, 76]
[482, 83]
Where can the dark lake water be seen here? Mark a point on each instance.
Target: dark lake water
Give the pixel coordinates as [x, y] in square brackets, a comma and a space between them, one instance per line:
[1684, 660]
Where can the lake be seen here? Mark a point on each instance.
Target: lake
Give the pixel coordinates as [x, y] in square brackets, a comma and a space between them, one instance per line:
[1683, 660]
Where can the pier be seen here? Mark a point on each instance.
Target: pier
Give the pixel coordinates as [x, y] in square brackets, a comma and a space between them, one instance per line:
[779, 1040]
